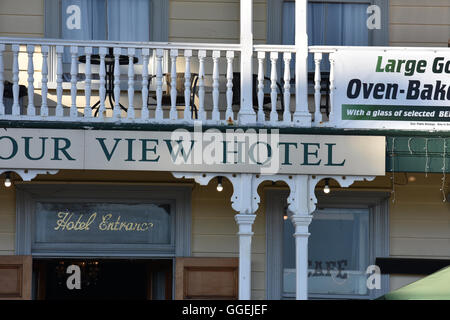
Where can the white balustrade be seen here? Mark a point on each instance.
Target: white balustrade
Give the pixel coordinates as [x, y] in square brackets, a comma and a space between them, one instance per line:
[261, 58]
[116, 111]
[87, 89]
[187, 84]
[130, 111]
[44, 81]
[173, 85]
[73, 81]
[273, 86]
[201, 84]
[31, 111]
[287, 56]
[215, 92]
[159, 82]
[229, 112]
[102, 75]
[145, 58]
[15, 78]
[59, 73]
[317, 88]
[62, 79]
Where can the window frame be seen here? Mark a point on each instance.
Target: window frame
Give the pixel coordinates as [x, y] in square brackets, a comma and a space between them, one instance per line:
[275, 16]
[178, 196]
[378, 204]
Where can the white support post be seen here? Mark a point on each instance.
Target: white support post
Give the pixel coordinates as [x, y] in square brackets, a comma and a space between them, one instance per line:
[301, 203]
[302, 117]
[245, 200]
[246, 112]
[245, 223]
[301, 235]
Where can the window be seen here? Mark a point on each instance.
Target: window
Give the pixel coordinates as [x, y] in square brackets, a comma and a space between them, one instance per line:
[121, 20]
[349, 230]
[117, 20]
[330, 22]
[338, 253]
[96, 220]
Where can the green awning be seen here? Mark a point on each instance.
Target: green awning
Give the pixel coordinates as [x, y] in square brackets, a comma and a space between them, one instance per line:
[433, 287]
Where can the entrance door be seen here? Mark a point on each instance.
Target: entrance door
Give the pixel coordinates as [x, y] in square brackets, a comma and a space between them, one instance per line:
[56, 279]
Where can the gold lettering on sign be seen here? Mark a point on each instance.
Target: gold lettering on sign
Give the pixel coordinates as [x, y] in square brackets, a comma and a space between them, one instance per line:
[65, 222]
[108, 224]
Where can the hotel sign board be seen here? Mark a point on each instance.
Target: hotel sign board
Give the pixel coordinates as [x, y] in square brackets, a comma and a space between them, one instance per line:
[233, 151]
[392, 89]
[103, 222]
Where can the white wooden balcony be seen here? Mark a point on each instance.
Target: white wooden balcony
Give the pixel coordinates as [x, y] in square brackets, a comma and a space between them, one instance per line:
[165, 83]
[63, 81]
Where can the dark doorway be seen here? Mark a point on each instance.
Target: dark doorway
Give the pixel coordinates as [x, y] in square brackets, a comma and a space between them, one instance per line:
[102, 279]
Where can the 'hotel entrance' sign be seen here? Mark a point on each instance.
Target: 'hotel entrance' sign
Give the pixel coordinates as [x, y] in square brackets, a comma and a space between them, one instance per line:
[101, 222]
[211, 151]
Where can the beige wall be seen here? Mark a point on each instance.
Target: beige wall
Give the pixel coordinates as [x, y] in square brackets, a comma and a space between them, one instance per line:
[213, 21]
[22, 18]
[7, 220]
[424, 23]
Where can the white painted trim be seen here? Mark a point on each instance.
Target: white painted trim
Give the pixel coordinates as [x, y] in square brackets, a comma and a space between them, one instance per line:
[28, 175]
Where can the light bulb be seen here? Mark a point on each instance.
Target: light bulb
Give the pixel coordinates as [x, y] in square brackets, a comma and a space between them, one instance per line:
[7, 180]
[285, 217]
[219, 184]
[326, 189]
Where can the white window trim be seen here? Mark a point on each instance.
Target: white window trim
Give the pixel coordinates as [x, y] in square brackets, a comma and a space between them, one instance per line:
[378, 236]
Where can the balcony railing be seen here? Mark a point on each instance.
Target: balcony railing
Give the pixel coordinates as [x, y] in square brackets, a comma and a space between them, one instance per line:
[168, 83]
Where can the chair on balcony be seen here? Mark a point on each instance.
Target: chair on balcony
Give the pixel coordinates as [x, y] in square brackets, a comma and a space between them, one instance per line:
[180, 99]
[267, 99]
[8, 97]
